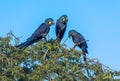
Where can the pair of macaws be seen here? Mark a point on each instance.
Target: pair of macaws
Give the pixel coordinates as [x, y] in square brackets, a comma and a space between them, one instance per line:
[61, 25]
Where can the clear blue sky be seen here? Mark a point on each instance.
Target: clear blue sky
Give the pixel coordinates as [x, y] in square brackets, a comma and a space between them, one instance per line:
[97, 20]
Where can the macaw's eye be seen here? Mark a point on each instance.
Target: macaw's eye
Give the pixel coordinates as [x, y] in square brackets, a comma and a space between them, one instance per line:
[63, 18]
[49, 22]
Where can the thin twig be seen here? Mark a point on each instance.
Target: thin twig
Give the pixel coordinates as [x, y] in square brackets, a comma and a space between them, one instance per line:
[90, 60]
[17, 38]
[45, 54]
[93, 61]
[65, 40]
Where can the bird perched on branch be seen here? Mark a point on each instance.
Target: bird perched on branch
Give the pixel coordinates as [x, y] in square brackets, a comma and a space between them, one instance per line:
[39, 33]
[61, 25]
[79, 41]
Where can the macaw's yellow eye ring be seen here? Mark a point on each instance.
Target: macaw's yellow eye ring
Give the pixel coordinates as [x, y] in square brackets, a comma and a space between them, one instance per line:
[63, 19]
[49, 22]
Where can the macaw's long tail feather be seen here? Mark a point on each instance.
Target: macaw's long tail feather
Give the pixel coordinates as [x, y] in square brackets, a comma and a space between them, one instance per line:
[26, 43]
[85, 59]
[23, 45]
[84, 51]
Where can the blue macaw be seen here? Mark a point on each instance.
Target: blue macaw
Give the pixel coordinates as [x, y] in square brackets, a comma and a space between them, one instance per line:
[39, 33]
[61, 25]
[79, 41]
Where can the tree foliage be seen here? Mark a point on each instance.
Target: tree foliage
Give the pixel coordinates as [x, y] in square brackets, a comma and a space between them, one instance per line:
[49, 61]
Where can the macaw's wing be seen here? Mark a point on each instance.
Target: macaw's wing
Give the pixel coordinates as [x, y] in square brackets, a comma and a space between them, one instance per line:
[83, 40]
[80, 39]
[83, 44]
[41, 31]
[57, 28]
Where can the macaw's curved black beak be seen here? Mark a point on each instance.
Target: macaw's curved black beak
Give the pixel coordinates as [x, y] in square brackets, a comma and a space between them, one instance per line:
[53, 22]
[69, 34]
[66, 19]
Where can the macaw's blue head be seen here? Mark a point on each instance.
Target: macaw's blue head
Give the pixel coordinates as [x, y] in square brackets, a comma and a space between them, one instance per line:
[71, 33]
[64, 18]
[49, 21]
